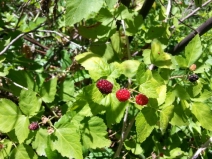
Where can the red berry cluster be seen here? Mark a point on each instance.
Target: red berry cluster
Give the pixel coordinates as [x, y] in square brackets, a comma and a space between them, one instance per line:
[33, 126]
[141, 99]
[123, 95]
[104, 86]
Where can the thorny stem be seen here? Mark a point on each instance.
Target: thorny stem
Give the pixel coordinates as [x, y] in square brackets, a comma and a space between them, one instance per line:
[124, 133]
[192, 13]
[202, 148]
[182, 76]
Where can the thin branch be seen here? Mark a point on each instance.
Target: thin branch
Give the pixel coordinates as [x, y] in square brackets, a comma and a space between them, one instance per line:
[182, 76]
[22, 11]
[202, 148]
[126, 38]
[61, 35]
[200, 30]
[168, 10]
[192, 13]
[122, 134]
[30, 39]
[130, 124]
[14, 40]
[124, 127]
[18, 37]
[55, 32]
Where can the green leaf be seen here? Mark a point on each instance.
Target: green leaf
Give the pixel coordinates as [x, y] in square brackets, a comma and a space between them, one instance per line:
[133, 24]
[181, 61]
[5, 152]
[76, 10]
[116, 43]
[23, 151]
[198, 3]
[170, 98]
[21, 128]
[130, 67]
[105, 16]
[96, 66]
[149, 88]
[158, 56]
[99, 31]
[179, 118]
[66, 139]
[103, 50]
[161, 90]
[145, 122]
[29, 103]
[33, 24]
[144, 77]
[140, 72]
[65, 59]
[180, 92]
[203, 97]
[122, 12]
[93, 134]
[203, 114]
[66, 90]
[41, 142]
[193, 50]
[111, 3]
[155, 32]
[115, 109]
[146, 56]
[195, 89]
[133, 146]
[88, 102]
[165, 116]
[9, 114]
[48, 90]
[22, 78]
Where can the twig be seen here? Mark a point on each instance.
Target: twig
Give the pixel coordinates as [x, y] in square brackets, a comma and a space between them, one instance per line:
[22, 11]
[18, 37]
[14, 40]
[55, 32]
[182, 76]
[130, 124]
[16, 84]
[202, 148]
[168, 10]
[30, 39]
[61, 35]
[122, 134]
[126, 38]
[192, 13]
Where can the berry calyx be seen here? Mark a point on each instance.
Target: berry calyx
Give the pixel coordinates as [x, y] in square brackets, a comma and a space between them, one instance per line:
[33, 126]
[193, 78]
[123, 95]
[104, 86]
[141, 99]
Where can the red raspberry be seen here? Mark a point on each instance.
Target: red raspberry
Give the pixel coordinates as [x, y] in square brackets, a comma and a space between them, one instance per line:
[104, 86]
[123, 95]
[141, 99]
[33, 126]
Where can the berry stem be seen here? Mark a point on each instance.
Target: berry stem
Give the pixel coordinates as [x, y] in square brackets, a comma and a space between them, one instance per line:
[182, 76]
[122, 134]
[55, 115]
